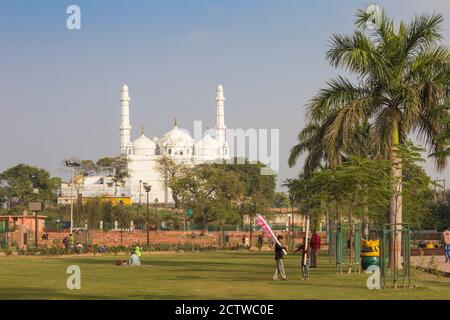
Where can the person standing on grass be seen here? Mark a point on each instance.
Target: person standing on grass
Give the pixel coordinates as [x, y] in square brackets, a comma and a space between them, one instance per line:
[315, 248]
[446, 242]
[279, 254]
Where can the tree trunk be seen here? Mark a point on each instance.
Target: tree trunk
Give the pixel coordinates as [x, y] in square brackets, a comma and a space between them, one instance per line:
[395, 208]
[352, 258]
[205, 227]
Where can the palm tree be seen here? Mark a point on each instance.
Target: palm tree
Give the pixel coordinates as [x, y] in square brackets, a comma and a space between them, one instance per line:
[402, 82]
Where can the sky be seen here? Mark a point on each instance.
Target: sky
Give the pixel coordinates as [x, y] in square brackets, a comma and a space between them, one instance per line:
[60, 88]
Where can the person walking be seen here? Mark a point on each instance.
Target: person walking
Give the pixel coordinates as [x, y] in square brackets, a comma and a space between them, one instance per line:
[279, 254]
[446, 242]
[315, 248]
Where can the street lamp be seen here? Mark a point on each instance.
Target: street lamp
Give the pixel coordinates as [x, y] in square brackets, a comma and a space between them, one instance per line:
[121, 221]
[72, 164]
[156, 206]
[147, 189]
[139, 205]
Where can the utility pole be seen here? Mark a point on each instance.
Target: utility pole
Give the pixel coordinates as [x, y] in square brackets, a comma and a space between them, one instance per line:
[147, 189]
[139, 204]
[435, 189]
[121, 221]
[156, 206]
[36, 207]
[72, 164]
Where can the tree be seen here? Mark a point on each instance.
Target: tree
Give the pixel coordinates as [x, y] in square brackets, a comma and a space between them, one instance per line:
[439, 217]
[210, 191]
[88, 167]
[354, 189]
[402, 85]
[170, 170]
[257, 190]
[18, 183]
[417, 195]
[281, 200]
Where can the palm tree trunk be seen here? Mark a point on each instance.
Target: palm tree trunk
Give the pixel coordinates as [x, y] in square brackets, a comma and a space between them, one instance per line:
[395, 209]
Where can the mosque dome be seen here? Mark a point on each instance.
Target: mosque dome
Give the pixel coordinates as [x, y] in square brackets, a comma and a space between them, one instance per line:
[176, 138]
[144, 146]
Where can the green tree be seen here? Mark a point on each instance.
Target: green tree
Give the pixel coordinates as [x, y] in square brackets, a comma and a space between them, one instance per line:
[439, 217]
[402, 84]
[18, 183]
[210, 191]
[355, 189]
[170, 170]
[281, 200]
[258, 190]
[116, 168]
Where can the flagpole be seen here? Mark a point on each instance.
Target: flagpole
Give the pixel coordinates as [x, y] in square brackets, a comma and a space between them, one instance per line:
[306, 239]
[263, 224]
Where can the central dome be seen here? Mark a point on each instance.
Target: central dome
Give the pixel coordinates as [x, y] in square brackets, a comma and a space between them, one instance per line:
[176, 138]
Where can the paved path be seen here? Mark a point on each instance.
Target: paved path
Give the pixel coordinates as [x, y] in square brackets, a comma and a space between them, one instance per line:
[425, 263]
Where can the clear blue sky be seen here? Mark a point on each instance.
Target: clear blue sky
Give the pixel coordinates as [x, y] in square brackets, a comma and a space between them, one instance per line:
[60, 89]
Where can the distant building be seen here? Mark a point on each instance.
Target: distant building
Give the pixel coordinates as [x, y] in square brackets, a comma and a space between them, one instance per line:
[143, 154]
[26, 221]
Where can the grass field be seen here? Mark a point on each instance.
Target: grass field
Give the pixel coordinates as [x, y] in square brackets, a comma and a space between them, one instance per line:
[218, 275]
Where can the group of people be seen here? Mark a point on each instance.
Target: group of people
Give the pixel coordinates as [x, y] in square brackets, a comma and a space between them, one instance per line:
[135, 257]
[309, 250]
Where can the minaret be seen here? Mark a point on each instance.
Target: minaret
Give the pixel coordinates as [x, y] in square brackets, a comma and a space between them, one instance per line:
[125, 128]
[220, 116]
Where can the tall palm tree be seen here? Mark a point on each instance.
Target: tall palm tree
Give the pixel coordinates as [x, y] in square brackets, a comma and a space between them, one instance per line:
[402, 82]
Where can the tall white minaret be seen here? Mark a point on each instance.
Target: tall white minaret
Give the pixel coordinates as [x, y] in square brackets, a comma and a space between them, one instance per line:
[125, 128]
[220, 116]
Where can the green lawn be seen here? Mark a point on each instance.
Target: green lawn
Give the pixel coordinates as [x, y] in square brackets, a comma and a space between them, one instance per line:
[218, 275]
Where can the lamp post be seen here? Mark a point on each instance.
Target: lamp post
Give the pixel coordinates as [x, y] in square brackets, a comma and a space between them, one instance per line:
[139, 205]
[147, 189]
[121, 221]
[156, 207]
[72, 164]
[291, 200]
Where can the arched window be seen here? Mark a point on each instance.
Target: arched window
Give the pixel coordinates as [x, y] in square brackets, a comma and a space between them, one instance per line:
[169, 151]
[181, 153]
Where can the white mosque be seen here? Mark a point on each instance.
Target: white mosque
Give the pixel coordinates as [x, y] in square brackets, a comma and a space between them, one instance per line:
[143, 155]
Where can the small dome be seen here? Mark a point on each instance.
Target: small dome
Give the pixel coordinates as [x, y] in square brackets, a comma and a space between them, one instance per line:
[176, 138]
[144, 146]
[155, 139]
